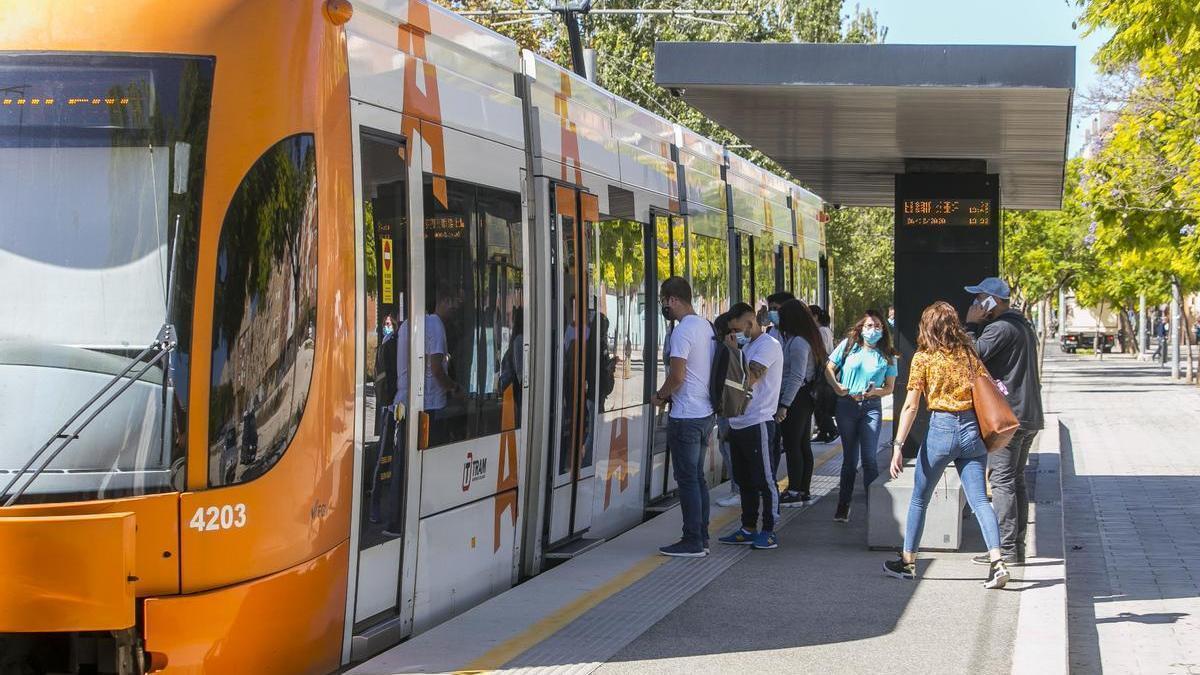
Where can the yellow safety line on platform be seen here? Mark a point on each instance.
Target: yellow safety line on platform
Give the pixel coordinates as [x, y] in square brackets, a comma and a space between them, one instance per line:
[495, 658]
[508, 650]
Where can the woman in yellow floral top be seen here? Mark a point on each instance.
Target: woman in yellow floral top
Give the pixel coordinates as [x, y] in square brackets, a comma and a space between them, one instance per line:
[942, 371]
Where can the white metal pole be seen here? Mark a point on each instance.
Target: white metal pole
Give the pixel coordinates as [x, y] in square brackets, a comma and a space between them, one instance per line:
[1143, 335]
[1176, 326]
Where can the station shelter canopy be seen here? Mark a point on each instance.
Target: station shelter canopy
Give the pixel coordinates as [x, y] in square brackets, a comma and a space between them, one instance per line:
[845, 119]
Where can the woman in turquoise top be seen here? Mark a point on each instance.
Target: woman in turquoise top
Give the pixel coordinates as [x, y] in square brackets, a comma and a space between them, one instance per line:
[862, 370]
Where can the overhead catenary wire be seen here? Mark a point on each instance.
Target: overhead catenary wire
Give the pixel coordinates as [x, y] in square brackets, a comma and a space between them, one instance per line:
[682, 12]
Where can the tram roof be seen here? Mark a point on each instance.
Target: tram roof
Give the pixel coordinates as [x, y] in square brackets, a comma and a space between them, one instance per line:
[844, 119]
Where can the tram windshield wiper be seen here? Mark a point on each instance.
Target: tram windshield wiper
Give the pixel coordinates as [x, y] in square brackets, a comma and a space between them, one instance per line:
[162, 346]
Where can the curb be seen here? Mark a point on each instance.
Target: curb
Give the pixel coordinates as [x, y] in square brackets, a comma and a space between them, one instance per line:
[1040, 645]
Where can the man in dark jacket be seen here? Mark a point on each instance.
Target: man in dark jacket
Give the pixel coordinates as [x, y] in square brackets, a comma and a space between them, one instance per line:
[1008, 346]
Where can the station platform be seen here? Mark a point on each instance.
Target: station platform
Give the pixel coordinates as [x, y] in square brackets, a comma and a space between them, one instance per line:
[818, 602]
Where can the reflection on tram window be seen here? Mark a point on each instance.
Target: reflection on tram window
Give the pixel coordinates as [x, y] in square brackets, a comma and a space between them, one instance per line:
[710, 276]
[621, 285]
[764, 268]
[385, 335]
[473, 290]
[264, 313]
[671, 260]
[746, 268]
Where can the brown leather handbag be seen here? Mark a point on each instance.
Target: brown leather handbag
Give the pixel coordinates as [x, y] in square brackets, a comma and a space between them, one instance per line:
[997, 423]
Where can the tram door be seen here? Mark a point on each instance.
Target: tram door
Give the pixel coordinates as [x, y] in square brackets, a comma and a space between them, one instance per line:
[670, 250]
[576, 331]
[384, 337]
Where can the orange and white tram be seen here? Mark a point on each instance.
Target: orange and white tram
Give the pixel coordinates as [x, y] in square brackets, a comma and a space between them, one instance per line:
[245, 223]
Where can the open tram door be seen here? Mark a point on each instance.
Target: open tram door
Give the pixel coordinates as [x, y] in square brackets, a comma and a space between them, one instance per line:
[379, 610]
[572, 463]
[574, 215]
[670, 250]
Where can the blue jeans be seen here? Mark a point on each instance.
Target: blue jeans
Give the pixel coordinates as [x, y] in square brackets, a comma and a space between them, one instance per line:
[953, 437]
[858, 423]
[687, 440]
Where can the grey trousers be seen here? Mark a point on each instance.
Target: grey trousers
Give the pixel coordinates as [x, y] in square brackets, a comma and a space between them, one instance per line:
[1010, 499]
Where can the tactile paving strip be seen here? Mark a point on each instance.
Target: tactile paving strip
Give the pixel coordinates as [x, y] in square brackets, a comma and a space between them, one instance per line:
[589, 641]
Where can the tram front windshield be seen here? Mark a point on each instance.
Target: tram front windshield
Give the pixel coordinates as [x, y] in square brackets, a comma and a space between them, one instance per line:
[101, 172]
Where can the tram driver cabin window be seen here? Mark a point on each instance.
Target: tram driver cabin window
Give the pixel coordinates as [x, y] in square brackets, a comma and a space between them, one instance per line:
[474, 319]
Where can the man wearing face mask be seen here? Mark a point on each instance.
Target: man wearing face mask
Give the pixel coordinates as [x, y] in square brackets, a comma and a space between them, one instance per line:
[690, 355]
[1007, 344]
[752, 433]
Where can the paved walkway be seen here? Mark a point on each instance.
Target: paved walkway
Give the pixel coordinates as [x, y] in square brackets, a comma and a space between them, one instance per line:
[1131, 480]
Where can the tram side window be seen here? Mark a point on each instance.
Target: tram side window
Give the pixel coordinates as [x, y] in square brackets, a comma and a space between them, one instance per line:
[710, 276]
[473, 314]
[264, 313]
[622, 316]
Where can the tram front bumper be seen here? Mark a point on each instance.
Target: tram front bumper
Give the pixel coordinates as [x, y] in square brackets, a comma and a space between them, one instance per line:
[67, 573]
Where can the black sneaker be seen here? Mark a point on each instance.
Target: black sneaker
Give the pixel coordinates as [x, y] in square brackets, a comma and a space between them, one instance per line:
[843, 514]
[791, 499]
[986, 559]
[900, 569]
[682, 549]
[997, 575]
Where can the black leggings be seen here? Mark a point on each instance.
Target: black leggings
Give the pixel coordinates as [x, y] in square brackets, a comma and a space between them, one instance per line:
[796, 435]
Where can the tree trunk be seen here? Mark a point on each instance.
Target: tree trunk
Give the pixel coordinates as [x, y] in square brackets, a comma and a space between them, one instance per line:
[1097, 343]
[1041, 346]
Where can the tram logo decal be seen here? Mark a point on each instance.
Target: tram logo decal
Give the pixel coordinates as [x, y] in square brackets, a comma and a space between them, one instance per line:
[473, 470]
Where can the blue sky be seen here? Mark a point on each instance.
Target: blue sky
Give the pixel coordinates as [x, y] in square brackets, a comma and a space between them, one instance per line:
[1031, 22]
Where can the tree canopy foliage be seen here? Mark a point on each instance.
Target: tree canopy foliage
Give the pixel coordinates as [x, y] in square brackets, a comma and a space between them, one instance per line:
[1131, 203]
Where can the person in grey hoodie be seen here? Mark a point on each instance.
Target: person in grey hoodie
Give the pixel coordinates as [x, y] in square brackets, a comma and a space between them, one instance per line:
[803, 352]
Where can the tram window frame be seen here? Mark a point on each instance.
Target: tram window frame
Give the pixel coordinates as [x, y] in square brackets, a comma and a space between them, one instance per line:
[625, 394]
[478, 412]
[235, 349]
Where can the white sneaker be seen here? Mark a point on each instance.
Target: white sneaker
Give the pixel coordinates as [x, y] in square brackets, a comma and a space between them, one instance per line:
[730, 500]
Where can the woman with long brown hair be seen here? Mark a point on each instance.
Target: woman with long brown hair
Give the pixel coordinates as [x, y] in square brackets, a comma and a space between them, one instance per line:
[803, 352]
[942, 371]
[861, 370]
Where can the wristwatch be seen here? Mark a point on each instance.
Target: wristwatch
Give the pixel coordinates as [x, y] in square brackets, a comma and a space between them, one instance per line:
[898, 444]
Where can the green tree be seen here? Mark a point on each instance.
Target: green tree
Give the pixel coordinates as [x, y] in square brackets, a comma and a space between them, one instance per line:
[1041, 251]
[860, 243]
[1142, 185]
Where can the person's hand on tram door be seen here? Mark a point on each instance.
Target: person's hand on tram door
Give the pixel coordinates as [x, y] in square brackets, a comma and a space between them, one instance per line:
[398, 410]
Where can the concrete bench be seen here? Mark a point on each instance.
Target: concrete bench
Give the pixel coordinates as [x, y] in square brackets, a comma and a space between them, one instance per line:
[887, 511]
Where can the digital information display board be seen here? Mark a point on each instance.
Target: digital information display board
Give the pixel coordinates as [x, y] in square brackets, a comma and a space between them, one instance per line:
[949, 212]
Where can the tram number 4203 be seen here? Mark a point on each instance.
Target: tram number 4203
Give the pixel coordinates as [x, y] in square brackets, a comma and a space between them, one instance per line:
[226, 517]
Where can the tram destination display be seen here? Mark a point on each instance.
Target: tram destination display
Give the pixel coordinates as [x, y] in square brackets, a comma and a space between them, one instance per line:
[946, 212]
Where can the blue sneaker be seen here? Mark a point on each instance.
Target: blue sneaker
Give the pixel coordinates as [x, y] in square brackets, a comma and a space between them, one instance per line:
[740, 536]
[683, 549]
[765, 540]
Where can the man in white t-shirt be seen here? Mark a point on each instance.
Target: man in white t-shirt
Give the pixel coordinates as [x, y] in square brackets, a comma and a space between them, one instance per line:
[752, 433]
[439, 386]
[690, 351]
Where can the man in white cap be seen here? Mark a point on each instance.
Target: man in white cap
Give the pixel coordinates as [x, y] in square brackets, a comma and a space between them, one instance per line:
[1007, 345]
